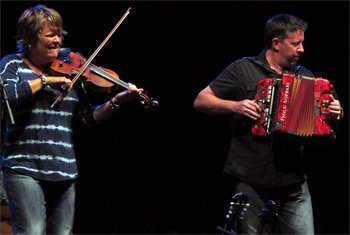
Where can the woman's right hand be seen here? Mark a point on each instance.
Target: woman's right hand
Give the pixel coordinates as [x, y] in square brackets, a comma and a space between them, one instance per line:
[56, 82]
[59, 83]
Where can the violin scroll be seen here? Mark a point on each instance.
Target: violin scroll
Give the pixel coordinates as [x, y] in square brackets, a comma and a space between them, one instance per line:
[148, 103]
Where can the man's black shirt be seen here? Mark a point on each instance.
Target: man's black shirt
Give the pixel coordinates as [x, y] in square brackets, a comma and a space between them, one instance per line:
[252, 159]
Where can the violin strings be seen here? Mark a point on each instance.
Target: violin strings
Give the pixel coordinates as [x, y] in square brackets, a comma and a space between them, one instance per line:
[108, 76]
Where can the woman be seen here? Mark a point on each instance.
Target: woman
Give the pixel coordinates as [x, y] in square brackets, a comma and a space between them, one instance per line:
[38, 159]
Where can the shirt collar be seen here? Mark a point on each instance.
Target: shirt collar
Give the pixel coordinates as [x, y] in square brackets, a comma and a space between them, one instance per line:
[262, 58]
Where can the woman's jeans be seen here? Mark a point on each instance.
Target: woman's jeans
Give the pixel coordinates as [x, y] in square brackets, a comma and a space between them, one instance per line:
[39, 207]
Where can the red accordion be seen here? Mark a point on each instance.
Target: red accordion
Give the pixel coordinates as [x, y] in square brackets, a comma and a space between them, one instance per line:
[294, 105]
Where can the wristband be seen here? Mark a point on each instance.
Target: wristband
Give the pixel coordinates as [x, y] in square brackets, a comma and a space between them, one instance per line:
[112, 105]
[43, 80]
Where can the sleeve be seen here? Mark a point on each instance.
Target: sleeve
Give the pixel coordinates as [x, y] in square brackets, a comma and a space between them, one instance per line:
[18, 91]
[88, 117]
[228, 84]
[86, 108]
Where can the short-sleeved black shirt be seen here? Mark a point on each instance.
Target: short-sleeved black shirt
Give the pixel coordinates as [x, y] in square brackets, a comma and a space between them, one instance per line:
[253, 159]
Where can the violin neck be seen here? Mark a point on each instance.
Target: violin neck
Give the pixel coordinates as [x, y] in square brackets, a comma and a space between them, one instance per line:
[109, 77]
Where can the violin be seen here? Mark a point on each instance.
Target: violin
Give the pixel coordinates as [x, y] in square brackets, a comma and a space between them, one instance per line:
[98, 79]
[69, 63]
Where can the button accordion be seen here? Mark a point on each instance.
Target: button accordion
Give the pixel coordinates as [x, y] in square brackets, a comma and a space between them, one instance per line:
[294, 105]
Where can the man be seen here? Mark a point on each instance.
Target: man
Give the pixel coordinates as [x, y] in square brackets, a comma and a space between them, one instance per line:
[263, 169]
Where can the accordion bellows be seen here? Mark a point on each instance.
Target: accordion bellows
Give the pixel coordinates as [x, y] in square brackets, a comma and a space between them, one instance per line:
[293, 105]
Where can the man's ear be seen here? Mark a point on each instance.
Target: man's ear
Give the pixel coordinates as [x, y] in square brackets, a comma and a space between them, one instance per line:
[275, 44]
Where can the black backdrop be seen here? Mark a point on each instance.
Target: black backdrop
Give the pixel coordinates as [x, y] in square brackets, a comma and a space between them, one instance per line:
[160, 172]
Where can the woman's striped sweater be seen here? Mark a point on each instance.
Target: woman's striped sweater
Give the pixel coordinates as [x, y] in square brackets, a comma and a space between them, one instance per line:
[40, 143]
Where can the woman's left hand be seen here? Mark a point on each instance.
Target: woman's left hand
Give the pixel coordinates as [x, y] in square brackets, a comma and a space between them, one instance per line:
[127, 95]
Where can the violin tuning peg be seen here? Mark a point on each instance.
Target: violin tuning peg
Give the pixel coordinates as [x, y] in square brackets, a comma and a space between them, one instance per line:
[155, 104]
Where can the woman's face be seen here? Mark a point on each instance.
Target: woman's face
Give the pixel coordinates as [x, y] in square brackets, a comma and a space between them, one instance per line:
[47, 47]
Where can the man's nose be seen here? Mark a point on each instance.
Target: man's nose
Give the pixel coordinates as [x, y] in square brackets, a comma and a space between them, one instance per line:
[300, 48]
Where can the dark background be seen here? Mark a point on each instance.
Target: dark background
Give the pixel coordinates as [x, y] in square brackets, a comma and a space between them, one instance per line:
[161, 171]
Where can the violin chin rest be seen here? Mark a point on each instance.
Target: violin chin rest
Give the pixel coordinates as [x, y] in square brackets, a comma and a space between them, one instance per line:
[64, 52]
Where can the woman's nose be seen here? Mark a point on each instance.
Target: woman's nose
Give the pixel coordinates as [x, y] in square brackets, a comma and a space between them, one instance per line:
[57, 38]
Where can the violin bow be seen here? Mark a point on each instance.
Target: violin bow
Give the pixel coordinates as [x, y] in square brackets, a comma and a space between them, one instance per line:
[86, 64]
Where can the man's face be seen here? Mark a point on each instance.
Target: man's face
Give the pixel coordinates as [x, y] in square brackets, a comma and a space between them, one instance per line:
[290, 49]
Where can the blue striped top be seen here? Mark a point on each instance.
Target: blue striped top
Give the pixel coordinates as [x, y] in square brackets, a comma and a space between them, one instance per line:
[40, 143]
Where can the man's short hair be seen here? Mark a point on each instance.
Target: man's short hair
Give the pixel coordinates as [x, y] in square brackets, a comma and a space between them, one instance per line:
[280, 26]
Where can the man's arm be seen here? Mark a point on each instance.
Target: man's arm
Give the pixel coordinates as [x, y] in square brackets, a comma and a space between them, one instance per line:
[208, 103]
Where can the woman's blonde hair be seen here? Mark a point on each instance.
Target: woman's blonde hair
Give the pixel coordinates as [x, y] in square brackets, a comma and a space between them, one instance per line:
[32, 21]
